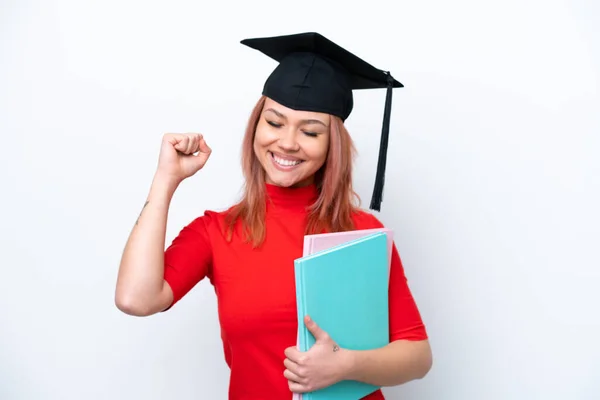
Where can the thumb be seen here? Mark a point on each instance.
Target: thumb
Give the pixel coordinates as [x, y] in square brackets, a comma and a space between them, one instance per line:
[203, 153]
[203, 146]
[316, 331]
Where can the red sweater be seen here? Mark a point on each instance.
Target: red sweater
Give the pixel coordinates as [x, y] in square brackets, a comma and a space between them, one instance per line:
[256, 290]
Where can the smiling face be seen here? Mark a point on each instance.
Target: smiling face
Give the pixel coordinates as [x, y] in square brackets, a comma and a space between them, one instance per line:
[291, 145]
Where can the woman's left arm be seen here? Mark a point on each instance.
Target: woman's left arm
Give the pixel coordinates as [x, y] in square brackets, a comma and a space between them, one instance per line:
[407, 357]
[399, 362]
[325, 363]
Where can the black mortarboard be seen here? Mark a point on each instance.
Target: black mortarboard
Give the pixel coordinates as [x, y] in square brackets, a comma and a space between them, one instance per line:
[315, 74]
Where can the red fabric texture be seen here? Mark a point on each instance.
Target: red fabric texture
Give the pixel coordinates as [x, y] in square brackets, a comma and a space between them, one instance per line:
[256, 289]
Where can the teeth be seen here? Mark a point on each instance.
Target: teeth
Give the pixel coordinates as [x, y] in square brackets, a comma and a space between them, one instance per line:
[286, 163]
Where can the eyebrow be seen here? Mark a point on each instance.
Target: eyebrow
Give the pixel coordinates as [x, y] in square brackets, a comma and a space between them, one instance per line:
[304, 121]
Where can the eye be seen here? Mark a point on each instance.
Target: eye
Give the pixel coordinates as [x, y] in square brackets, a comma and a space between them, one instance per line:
[311, 134]
[274, 124]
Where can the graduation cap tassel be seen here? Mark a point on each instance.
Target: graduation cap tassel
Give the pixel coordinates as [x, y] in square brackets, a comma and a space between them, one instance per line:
[383, 145]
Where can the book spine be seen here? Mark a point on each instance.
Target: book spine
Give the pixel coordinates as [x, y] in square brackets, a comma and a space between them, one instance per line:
[300, 304]
[304, 331]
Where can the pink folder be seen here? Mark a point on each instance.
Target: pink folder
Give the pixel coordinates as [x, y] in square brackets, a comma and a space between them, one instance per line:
[324, 241]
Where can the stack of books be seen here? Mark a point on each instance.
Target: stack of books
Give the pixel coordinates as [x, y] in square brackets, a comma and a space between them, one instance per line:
[342, 283]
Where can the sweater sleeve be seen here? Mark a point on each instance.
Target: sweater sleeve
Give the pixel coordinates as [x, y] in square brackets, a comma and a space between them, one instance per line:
[188, 259]
[405, 319]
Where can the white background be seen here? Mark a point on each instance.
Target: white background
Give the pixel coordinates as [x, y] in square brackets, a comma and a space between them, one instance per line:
[492, 186]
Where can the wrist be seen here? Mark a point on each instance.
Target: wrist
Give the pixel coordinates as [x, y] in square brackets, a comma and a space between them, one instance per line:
[165, 183]
[350, 361]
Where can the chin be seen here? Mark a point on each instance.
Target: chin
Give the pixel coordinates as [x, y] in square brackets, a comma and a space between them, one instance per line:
[285, 181]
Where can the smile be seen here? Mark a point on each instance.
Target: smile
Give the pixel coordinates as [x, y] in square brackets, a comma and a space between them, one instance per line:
[284, 163]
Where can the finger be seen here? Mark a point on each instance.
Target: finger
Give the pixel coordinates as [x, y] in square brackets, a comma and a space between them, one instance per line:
[293, 354]
[181, 143]
[290, 376]
[313, 328]
[190, 144]
[296, 387]
[293, 367]
[172, 138]
[202, 146]
[194, 144]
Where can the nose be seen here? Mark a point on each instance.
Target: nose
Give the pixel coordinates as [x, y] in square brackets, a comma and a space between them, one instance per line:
[287, 140]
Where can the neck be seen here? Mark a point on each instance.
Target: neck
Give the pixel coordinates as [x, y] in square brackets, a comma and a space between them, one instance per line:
[296, 198]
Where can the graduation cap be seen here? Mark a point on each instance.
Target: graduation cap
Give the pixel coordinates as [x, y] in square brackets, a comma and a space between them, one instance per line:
[315, 74]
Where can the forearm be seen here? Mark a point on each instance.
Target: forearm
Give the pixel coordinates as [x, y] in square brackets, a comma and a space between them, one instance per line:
[397, 363]
[141, 272]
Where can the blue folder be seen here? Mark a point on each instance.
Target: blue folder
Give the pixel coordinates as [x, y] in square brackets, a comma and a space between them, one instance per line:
[345, 291]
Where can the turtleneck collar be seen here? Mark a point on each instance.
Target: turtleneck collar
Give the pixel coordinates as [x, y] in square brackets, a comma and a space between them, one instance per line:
[291, 198]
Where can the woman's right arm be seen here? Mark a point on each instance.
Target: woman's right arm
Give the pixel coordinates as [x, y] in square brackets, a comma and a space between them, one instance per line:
[141, 289]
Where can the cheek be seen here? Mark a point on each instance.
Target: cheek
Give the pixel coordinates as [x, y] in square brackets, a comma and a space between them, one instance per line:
[264, 136]
[317, 150]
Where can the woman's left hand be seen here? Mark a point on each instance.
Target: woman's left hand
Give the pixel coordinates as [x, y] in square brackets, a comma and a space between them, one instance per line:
[322, 365]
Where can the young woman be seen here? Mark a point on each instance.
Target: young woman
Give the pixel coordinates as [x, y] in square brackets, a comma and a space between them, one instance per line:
[297, 161]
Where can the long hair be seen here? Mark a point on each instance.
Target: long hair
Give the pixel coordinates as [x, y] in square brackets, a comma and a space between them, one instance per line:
[335, 204]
